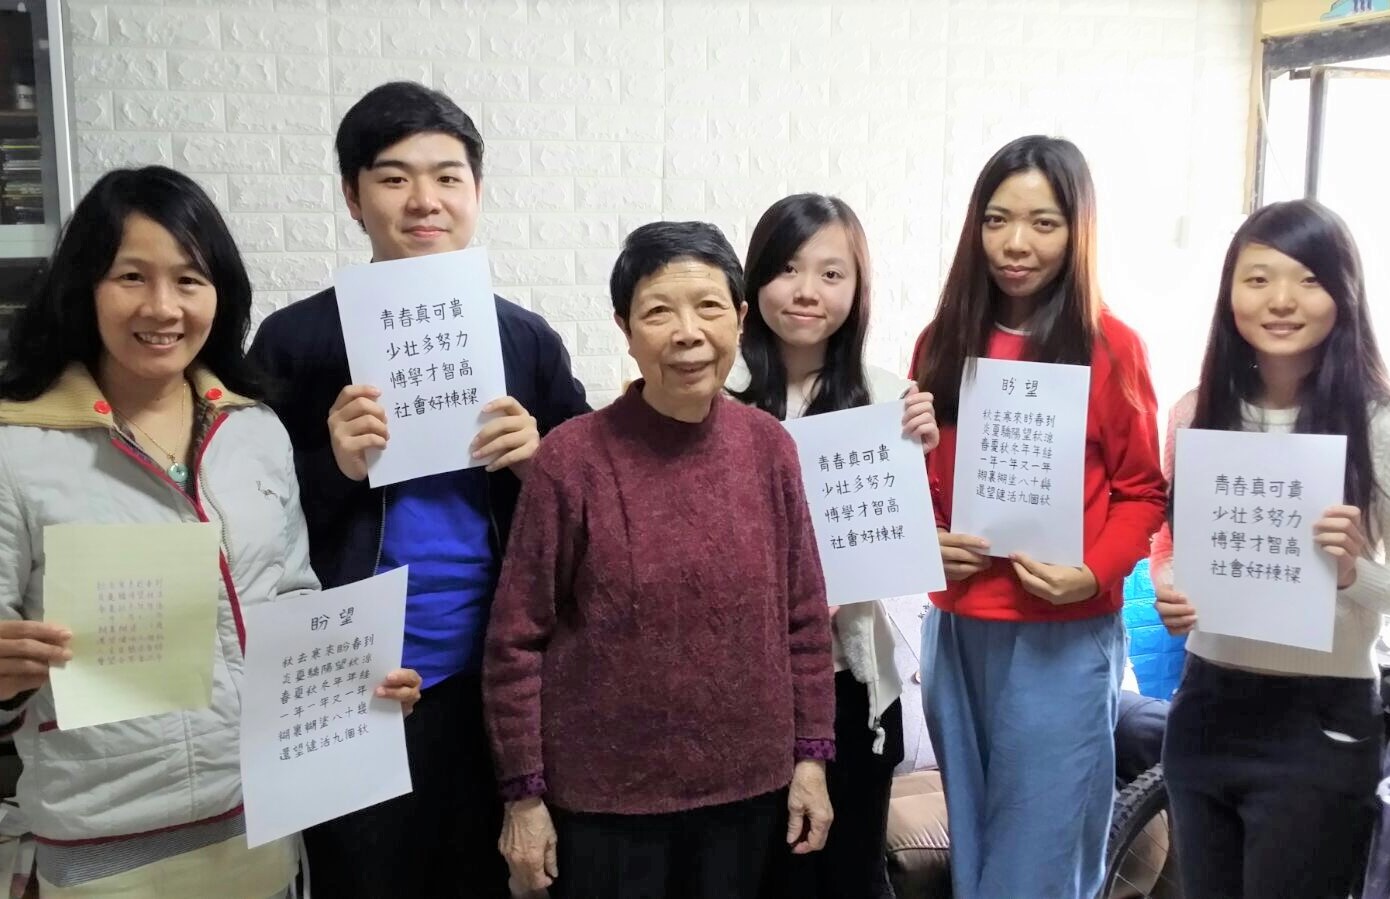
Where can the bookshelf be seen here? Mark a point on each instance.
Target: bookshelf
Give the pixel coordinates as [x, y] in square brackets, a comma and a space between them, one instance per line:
[36, 180]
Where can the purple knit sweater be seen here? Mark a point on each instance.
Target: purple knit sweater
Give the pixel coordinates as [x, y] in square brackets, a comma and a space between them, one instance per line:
[660, 639]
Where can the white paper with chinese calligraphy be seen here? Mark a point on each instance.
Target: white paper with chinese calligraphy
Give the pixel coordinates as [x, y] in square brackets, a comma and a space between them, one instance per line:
[1243, 550]
[866, 485]
[141, 602]
[424, 332]
[316, 742]
[1020, 459]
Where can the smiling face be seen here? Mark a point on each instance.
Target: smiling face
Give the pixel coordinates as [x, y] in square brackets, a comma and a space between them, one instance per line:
[682, 331]
[154, 306]
[1025, 235]
[1279, 306]
[418, 197]
[814, 293]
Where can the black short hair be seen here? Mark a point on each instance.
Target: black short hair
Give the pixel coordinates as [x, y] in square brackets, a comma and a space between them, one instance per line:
[390, 113]
[653, 246]
[58, 326]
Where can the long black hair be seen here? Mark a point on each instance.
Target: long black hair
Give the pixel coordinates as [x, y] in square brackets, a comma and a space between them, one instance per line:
[780, 233]
[58, 326]
[1349, 375]
[1065, 327]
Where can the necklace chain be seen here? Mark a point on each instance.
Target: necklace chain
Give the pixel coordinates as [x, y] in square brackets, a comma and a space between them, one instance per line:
[183, 405]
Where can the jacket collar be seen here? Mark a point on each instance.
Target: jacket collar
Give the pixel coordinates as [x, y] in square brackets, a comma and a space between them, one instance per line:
[75, 401]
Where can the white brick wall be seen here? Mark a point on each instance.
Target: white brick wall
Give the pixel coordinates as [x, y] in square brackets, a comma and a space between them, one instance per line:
[604, 114]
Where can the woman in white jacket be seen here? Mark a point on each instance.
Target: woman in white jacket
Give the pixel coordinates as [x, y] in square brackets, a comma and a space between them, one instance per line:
[803, 354]
[126, 399]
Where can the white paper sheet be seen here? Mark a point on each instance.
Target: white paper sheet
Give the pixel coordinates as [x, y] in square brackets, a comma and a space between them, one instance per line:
[1243, 551]
[866, 485]
[1020, 459]
[316, 743]
[424, 331]
[141, 602]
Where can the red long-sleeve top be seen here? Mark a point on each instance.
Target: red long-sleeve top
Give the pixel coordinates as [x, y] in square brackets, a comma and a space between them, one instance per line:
[1125, 489]
[660, 638]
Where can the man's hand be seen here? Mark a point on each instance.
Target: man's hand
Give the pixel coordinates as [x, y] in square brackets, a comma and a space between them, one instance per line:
[528, 844]
[509, 439]
[808, 807]
[356, 423]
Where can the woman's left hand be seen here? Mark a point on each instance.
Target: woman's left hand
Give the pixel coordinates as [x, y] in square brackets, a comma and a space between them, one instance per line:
[402, 685]
[919, 418]
[1340, 534]
[808, 807]
[1058, 584]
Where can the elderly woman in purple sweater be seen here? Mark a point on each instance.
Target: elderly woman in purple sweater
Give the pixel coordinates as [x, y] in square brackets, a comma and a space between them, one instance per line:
[658, 662]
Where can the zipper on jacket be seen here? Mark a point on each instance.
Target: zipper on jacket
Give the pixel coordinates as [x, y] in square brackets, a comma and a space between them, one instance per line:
[221, 518]
[380, 533]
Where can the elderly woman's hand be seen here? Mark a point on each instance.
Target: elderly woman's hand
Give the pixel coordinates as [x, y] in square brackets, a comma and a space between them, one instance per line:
[528, 844]
[402, 685]
[808, 805]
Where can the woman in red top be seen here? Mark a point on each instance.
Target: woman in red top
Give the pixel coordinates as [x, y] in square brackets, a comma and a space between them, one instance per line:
[1021, 659]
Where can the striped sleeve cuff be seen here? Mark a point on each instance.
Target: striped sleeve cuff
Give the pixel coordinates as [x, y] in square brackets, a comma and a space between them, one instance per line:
[524, 787]
[814, 750]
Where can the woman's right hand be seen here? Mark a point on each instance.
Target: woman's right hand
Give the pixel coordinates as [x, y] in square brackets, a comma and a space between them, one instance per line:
[1178, 614]
[962, 555]
[528, 844]
[27, 648]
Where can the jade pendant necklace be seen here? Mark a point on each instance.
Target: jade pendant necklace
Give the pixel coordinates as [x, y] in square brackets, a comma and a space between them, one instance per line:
[176, 470]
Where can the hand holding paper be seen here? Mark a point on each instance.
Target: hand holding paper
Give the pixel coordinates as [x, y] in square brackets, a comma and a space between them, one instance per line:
[1178, 614]
[1340, 533]
[962, 555]
[403, 686]
[27, 648]
[356, 424]
[919, 418]
[1058, 584]
[511, 438]
[423, 332]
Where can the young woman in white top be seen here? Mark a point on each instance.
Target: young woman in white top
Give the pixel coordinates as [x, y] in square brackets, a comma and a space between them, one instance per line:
[803, 354]
[1272, 752]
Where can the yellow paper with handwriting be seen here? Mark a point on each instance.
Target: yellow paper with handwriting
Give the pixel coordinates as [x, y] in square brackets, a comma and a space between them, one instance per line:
[141, 602]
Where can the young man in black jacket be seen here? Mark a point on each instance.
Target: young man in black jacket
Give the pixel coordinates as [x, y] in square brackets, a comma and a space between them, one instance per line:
[411, 163]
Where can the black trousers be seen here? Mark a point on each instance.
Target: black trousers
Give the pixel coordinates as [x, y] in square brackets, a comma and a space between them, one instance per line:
[707, 853]
[853, 864]
[1272, 782]
[439, 841]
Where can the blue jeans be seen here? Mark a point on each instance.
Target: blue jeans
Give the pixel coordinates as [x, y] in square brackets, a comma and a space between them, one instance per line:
[1022, 717]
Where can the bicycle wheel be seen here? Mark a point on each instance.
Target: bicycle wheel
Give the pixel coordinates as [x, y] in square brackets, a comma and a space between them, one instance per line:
[1140, 857]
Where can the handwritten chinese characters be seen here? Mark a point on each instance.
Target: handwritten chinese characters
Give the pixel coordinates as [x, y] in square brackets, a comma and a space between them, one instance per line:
[1271, 539]
[432, 356]
[325, 694]
[1243, 529]
[1015, 464]
[311, 721]
[424, 332]
[141, 602]
[870, 504]
[876, 503]
[131, 629]
[1020, 452]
